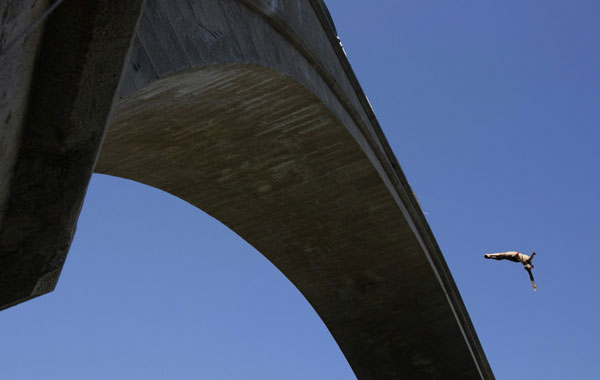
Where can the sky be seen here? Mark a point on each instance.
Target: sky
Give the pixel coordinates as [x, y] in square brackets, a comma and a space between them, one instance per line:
[493, 111]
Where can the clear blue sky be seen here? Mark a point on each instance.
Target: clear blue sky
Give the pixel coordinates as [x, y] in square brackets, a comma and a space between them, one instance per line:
[493, 110]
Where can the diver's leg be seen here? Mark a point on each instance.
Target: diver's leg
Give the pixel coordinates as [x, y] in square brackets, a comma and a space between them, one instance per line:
[502, 256]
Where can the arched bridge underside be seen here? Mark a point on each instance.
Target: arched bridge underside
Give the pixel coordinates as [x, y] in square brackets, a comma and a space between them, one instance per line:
[249, 111]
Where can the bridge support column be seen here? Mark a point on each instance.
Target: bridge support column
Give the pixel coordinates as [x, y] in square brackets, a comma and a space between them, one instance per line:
[85, 45]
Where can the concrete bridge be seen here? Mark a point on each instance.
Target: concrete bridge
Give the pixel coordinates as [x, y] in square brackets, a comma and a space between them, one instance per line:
[249, 110]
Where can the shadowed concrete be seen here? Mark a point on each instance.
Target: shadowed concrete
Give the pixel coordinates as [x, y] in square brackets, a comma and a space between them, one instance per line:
[50, 146]
[264, 156]
[250, 111]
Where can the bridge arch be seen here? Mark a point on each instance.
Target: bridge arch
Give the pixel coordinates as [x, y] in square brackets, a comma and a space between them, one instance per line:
[262, 154]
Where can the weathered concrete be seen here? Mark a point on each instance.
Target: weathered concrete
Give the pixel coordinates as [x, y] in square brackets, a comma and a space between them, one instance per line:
[250, 111]
[16, 72]
[50, 156]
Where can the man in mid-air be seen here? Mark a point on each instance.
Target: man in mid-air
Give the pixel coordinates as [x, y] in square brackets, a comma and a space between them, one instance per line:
[517, 258]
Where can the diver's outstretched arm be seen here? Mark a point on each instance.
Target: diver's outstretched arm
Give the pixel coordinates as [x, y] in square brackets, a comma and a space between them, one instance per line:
[531, 278]
[531, 257]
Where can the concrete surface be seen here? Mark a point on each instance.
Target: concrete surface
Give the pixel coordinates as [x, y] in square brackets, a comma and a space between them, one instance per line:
[250, 111]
